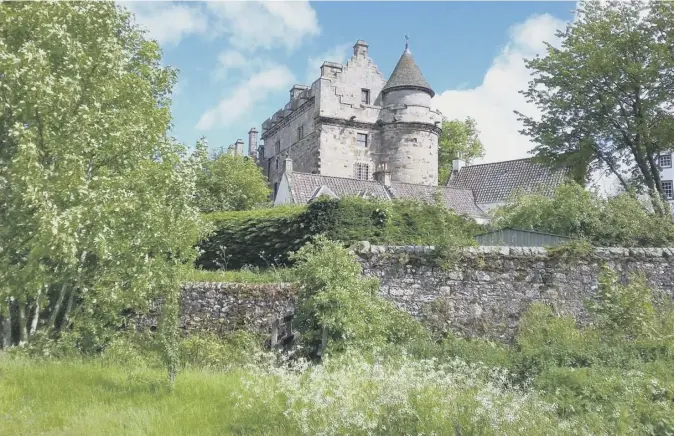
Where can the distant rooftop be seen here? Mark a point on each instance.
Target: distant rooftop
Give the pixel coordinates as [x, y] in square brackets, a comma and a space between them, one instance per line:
[495, 182]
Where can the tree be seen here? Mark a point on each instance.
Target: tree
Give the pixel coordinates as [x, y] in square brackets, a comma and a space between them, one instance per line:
[621, 220]
[606, 95]
[96, 210]
[229, 182]
[459, 139]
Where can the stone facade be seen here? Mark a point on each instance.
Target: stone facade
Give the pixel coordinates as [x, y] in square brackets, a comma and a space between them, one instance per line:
[344, 121]
[485, 294]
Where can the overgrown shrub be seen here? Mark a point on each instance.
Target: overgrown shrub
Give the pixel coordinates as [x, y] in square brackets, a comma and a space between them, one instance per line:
[624, 309]
[334, 295]
[619, 221]
[268, 236]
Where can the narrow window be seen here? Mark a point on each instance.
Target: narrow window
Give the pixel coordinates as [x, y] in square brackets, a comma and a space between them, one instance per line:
[667, 188]
[362, 171]
[277, 147]
[365, 96]
[665, 161]
[362, 139]
[276, 163]
[301, 133]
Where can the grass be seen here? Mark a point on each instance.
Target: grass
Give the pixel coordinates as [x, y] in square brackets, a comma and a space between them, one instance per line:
[52, 398]
[241, 276]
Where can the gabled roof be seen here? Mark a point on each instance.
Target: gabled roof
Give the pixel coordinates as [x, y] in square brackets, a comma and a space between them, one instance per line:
[407, 75]
[323, 190]
[495, 182]
[459, 200]
[304, 186]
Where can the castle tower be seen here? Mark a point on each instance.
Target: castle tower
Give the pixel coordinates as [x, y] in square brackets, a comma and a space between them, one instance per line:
[410, 129]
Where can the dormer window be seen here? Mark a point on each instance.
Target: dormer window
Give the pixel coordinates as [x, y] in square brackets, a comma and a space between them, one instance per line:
[365, 96]
[362, 171]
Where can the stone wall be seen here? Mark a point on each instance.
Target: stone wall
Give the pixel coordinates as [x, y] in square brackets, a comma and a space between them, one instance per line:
[226, 307]
[491, 287]
[485, 294]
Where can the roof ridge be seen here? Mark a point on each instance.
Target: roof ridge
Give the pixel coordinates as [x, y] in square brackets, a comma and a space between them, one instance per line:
[501, 161]
[336, 177]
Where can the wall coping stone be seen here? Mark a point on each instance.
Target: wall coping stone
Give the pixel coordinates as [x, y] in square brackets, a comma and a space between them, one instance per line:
[365, 249]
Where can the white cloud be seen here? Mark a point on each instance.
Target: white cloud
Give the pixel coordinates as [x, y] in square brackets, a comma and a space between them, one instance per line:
[492, 103]
[254, 25]
[337, 54]
[168, 23]
[244, 97]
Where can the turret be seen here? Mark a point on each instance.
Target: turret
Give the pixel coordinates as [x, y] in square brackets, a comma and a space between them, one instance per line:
[410, 128]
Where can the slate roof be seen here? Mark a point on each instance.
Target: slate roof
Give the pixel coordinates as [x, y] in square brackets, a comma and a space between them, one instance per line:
[459, 200]
[407, 75]
[305, 186]
[495, 182]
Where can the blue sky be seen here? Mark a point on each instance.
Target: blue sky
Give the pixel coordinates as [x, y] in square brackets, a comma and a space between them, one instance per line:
[238, 60]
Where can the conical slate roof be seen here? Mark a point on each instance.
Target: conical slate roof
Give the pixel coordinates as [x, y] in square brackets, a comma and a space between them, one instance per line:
[407, 75]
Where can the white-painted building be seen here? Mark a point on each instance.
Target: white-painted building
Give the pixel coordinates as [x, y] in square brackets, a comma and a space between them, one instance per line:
[666, 164]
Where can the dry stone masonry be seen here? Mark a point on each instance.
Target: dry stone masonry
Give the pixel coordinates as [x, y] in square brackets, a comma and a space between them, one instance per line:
[485, 293]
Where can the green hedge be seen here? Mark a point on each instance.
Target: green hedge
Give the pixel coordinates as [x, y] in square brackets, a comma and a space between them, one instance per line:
[266, 236]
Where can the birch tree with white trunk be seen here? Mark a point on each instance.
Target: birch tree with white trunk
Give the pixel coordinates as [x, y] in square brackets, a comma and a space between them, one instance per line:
[96, 200]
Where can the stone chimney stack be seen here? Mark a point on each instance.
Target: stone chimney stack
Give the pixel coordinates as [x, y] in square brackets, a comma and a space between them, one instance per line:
[383, 175]
[288, 165]
[252, 142]
[239, 148]
[361, 49]
[457, 164]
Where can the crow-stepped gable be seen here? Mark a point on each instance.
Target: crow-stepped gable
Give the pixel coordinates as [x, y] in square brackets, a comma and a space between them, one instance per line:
[353, 123]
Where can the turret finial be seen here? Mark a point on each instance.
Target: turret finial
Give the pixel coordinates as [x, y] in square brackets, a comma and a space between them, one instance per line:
[406, 42]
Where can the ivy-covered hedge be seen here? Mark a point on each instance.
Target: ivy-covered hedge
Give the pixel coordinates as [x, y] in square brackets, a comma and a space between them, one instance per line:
[265, 237]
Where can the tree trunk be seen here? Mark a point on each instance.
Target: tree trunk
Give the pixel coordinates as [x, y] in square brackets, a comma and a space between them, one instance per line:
[23, 332]
[36, 316]
[57, 307]
[69, 306]
[7, 325]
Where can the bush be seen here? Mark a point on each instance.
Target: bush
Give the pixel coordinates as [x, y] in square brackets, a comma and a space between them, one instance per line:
[619, 221]
[334, 295]
[266, 237]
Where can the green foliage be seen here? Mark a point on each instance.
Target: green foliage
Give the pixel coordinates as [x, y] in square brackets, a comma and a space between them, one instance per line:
[606, 93]
[624, 309]
[622, 220]
[96, 215]
[336, 296]
[267, 236]
[459, 139]
[576, 249]
[545, 339]
[229, 182]
[261, 237]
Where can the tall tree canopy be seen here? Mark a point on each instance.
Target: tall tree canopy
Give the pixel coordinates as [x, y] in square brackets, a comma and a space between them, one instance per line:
[606, 95]
[96, 203]
[459, 139]
[229, 182]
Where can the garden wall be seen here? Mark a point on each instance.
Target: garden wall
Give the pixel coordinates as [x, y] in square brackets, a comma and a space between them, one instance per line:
[485, 293]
